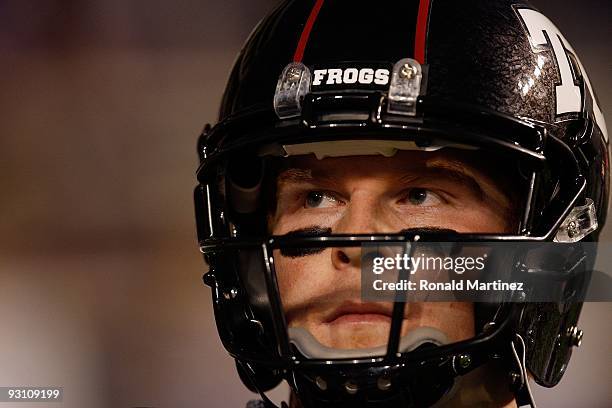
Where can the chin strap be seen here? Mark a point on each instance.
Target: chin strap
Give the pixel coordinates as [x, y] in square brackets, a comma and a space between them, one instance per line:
[521, 363]
[265, 402]
[262, 404]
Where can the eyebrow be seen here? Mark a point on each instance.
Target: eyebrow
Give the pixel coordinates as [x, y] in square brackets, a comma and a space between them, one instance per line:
[294, 175]
[448, 170]
[456, 172]
[303, 176]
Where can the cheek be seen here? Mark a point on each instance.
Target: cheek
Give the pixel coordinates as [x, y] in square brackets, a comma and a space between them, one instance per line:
[487, 220]
[290, 271]
[300, 278]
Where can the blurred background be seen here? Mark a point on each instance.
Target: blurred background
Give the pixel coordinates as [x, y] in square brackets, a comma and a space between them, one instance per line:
[100, 277]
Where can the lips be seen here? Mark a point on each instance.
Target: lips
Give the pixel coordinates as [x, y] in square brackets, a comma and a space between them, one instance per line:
[351, 312]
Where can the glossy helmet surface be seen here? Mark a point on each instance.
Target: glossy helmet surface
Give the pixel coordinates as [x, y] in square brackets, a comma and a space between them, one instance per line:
[493, 74]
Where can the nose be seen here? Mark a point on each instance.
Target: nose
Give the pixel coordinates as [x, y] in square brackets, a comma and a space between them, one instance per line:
[359, 218]
[346, 257]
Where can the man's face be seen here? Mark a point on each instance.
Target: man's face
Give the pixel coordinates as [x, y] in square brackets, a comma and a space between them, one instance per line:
[320, 290]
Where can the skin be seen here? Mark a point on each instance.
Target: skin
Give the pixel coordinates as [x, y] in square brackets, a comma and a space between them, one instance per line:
[376, 194]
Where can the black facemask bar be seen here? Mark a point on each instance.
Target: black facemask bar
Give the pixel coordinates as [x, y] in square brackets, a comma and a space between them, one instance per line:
[439, 365]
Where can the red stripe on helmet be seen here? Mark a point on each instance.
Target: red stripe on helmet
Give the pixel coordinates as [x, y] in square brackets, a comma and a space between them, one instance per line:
[421, 31]
[299, 51]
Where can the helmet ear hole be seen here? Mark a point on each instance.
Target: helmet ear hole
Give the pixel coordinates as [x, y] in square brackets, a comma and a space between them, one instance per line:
[244, 181]
[245, 171]
[258, 379]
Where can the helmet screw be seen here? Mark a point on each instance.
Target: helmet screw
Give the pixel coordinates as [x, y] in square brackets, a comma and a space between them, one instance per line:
[575, 336]
[209, 278]
[321, 383]
[234, 230]
[515, 378]
[407, 71]
[572, 229]
[231, 294]
[578, 338]
[351, 387]
[383, 383]
[465, 360]
[294, 74]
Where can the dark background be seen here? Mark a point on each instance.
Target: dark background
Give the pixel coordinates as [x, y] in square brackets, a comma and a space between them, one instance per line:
[100, 291]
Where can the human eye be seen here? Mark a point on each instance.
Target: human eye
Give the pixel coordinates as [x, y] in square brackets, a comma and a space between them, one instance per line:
[422, 197]
[320, 199]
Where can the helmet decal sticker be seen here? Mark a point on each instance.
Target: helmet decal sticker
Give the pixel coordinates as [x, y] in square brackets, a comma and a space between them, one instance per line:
[299, 51]
[420, 39]
[544, 34]
[351, 75]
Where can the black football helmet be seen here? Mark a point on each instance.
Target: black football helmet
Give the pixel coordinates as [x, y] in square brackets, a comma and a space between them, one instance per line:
[497, 76]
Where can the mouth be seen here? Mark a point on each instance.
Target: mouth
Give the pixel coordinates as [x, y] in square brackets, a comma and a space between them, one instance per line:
[359, 313]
